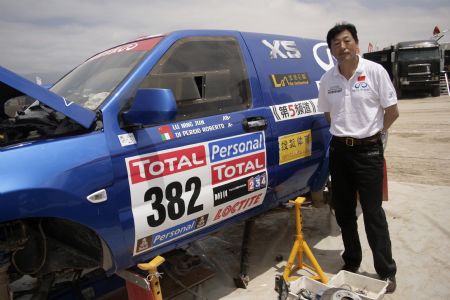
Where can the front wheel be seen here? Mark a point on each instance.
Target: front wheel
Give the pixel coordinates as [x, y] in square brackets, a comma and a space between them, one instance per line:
[436, 92]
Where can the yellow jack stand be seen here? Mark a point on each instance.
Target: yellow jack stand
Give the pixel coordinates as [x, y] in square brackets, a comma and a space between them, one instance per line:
[153, 275]
[299, 247]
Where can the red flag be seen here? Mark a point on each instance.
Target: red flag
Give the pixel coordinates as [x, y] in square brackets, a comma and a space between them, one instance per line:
[370, 48]
[436, 30]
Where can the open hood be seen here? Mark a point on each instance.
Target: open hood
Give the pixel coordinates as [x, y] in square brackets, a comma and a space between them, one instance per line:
[79, 114]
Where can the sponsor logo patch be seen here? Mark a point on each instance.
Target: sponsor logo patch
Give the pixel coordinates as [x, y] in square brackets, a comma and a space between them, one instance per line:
[239, 188]
[292, 79]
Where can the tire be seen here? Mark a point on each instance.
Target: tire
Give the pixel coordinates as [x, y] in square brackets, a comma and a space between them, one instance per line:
[436, 92]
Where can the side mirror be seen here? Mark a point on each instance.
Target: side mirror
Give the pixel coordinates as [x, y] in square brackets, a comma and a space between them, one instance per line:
[150, 107]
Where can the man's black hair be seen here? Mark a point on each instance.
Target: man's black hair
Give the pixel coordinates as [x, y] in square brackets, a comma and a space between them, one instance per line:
[338, 28]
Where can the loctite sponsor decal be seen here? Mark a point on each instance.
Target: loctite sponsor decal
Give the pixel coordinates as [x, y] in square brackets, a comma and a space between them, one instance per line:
[237, 207]
[294, 110]
[175, 192]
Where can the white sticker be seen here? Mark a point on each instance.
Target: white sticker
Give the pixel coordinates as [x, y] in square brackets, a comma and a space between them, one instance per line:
[127, 139]
[295, 110]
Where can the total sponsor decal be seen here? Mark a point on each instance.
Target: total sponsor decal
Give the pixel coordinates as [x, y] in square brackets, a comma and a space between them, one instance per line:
[239, 167]
[294, 110]
[175, 190]
[158, 165]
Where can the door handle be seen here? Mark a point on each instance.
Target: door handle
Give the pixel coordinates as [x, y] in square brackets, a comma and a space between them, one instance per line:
[254, 124]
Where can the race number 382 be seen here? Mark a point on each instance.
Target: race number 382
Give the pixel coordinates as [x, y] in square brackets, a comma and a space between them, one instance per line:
[177, 197]
[166, 186]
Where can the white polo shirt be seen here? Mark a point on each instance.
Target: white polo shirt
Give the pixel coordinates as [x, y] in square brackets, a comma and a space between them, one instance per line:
[356, 106]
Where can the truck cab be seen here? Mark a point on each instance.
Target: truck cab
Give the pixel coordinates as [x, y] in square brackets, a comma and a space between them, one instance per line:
[417, 65]
[155, 143]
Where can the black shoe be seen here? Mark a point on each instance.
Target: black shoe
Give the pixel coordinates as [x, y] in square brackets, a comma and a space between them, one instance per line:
[392, 284]
[350, 268]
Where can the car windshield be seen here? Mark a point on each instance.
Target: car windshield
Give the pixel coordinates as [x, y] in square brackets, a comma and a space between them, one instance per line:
[93, 81]
[418, 54]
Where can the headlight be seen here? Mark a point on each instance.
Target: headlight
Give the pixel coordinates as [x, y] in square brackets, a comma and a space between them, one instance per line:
[404, 81]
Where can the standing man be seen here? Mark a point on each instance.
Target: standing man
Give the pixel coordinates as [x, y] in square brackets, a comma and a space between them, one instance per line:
[360, 103]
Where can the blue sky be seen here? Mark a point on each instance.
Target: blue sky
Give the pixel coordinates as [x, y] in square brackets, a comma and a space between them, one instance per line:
[55, 36]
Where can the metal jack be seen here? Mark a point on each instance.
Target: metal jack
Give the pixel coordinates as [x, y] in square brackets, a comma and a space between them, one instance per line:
[153, 275]
[300, 247]
[243, 279]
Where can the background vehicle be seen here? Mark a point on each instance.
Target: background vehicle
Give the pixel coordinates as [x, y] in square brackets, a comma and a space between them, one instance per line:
[413, 65]
[153, 144]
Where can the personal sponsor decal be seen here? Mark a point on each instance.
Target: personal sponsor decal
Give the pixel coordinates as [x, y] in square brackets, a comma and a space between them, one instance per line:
[166, 133]
[291, 79]
[178, 191]
[179, 230]
[236, 146]
[334, 89]
[294, 110]
[282, 49]
[361, 78]
[239, 188]
[294, 146]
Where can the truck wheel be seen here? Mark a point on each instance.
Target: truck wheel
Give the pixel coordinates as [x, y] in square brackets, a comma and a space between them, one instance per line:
[436, 92]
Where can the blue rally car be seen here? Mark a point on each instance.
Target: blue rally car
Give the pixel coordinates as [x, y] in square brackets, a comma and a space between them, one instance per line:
[155, 143]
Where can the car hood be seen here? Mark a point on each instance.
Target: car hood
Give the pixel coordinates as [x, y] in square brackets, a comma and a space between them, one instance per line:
[79, 114]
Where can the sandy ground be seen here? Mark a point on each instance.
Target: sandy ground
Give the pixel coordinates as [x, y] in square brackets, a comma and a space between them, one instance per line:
[418, 157]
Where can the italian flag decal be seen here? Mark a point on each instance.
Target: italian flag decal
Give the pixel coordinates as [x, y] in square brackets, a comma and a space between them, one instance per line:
[165, 132]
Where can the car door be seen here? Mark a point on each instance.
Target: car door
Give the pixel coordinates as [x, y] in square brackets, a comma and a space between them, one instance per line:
[210, 164]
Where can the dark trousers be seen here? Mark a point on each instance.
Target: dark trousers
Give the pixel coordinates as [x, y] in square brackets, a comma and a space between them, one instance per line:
[359, 169]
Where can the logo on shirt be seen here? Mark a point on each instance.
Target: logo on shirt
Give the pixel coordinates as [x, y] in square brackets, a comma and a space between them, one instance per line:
[334, 89]
[361, 86]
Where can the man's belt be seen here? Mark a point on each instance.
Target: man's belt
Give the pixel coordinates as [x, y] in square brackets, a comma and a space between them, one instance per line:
[349, 141]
